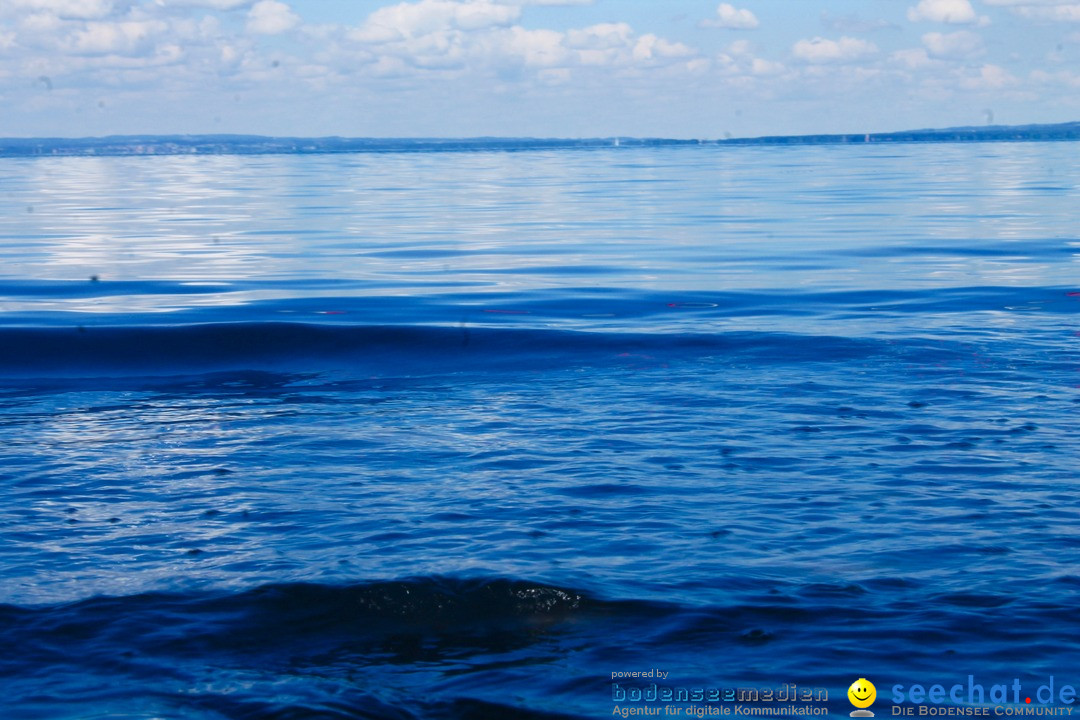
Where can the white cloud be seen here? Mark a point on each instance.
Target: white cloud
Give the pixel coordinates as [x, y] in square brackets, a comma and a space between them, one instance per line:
[406, 19]
[953, 46]
[989, 77]
[955, 12]
[534, 48]
[1062, 77]
[601, 45]
[64, 9]
[697, 66]
[210, 4]
[41, 24]
[1008, 3]
[374, 34]
[739, 64]
[732, 18]
[821, 50]
[740, 47]
[547, 2]
[913, 58]
[651, 47]
[446, 54]
[1044, 10]
[270, 17]
[118, 38]
[760, 66]
[482, 37]
[7, 43]
[603, 36]
[1055, 13]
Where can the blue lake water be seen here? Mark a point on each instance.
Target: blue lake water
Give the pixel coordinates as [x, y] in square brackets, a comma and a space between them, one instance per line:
[461, 434]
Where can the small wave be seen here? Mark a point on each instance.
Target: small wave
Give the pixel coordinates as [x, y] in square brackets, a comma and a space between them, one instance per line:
[295, 650]
[157, 350]
[306, 615]
[459, 648]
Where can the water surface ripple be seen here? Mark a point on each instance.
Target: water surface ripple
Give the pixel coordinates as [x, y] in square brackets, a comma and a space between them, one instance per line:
[459, 435]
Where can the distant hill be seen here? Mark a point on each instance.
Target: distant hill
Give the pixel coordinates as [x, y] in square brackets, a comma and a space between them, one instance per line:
[260, 145]
[986, 133]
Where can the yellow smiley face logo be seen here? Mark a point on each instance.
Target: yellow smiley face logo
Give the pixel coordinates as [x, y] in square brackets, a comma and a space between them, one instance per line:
[862, 693]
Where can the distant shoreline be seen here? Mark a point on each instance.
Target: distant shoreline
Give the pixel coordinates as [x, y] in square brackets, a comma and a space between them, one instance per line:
[126, 145]
[988, 133]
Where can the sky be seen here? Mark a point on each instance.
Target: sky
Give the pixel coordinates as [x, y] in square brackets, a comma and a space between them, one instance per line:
[533, 68]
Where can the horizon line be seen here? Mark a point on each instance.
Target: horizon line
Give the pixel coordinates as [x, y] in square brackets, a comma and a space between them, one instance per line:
[241, 143]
